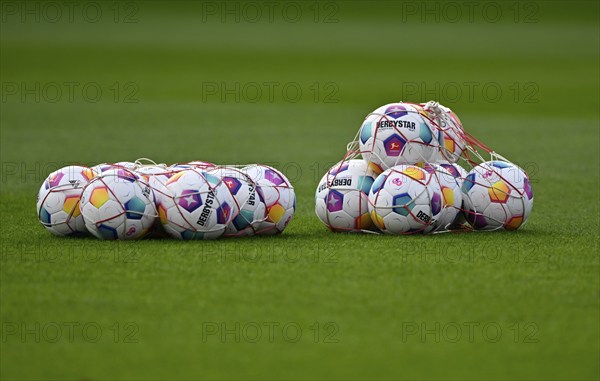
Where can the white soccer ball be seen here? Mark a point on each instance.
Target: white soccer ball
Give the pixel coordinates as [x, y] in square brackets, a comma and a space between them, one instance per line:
[397, 133]
[497, 195]
[405, 199]
[58, 200]
[252, 209]
[118, 204]
[342, 196]
[450, 185]
[276, 191]
[196, 205]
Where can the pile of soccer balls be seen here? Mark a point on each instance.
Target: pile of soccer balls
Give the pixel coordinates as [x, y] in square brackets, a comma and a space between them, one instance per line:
[412, 168]
[195, 200]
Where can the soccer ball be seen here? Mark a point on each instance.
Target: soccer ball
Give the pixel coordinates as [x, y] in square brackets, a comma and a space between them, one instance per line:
[196, 205]
[397, 133]
[450, 184]
[118, 204]
[58, 200]
[277, 193]
[405, 199]
[497, 195]
[250, 204]
[342, 197]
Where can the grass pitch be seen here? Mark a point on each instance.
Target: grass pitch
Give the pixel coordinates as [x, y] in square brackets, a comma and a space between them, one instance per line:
[182, 83]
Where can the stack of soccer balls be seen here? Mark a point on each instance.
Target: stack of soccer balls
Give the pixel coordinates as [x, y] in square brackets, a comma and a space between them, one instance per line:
[405, 173]
[195, 200]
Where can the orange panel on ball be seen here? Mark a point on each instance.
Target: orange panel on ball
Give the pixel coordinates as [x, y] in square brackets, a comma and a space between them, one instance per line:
[99, 197]
[499, 192]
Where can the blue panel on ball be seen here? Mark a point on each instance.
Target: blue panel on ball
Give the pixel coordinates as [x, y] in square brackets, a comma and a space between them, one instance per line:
[500, 164]
[212, 179]
[190, 235]
[402, 203]
[365, 183]
[366, 132]
[44, 216]
[425, 133]
[107, 232]
[243, 220]
[468, 183]
[134, 208]
[378, 183]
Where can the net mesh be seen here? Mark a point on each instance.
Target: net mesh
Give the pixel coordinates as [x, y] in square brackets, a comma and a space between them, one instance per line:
[431, 137]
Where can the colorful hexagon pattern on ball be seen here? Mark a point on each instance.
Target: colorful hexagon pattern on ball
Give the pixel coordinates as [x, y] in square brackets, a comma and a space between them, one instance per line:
[58, 200]
[251, 208]
[449, 178]
[278, 195]
[397, 134]
[407, 200]
[341, 198]
[118, 204]
[197, 205]
[497, 195]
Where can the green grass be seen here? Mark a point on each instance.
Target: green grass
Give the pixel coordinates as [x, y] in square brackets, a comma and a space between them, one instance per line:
[539, 285]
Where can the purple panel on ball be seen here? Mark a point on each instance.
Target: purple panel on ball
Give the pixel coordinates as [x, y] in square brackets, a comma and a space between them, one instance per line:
[452, 169]
[126, 175]
[335, 201]
[394, 145]
[55, 180]
[273, 177]
[436, 203]
[190, 200]
[233, 184]
[396, 111]
[477, 220]
[337, 169]
[527, 188]
[223, 213]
